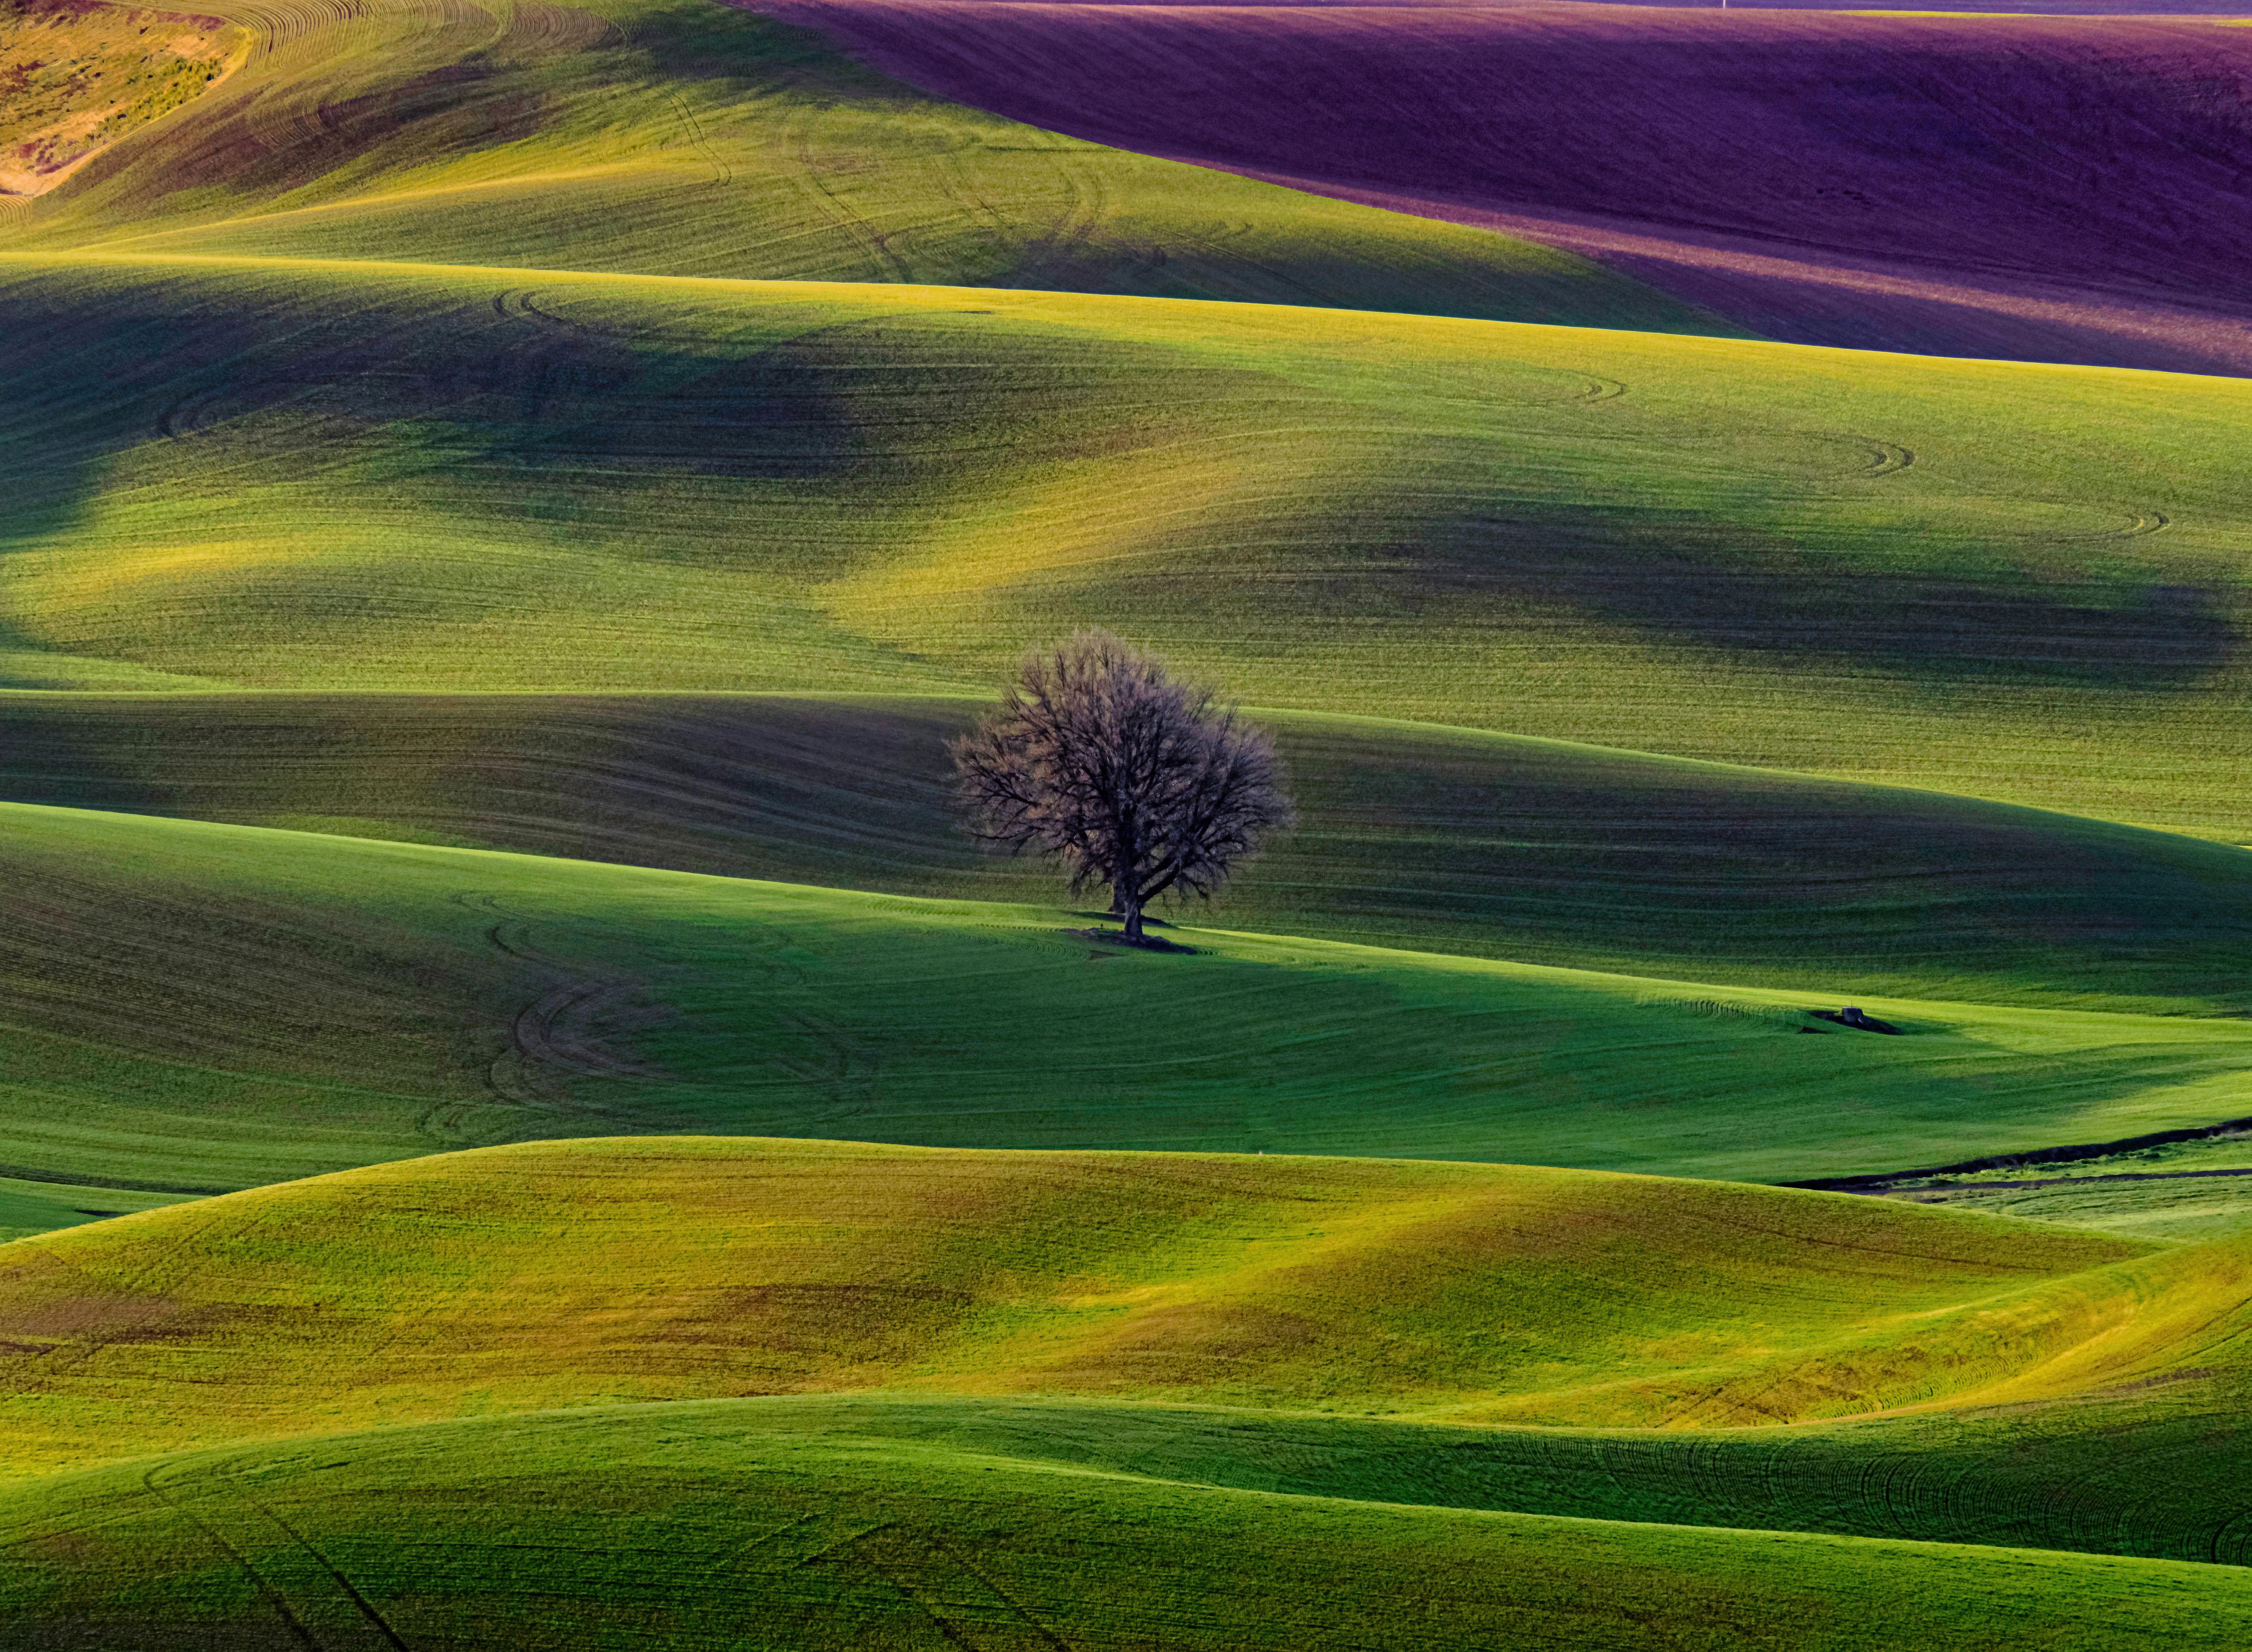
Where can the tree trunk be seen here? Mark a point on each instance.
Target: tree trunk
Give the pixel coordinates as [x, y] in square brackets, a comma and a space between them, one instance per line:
[1131, 909]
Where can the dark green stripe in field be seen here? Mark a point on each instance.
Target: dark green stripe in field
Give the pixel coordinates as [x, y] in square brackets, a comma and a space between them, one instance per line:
[195, 1007]
[2151, 1475]
[40, 1207]
[1428, 839]
[697, 1526]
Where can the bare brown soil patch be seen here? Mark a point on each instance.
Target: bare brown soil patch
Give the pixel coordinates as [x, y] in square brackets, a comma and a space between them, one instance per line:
[76, 76]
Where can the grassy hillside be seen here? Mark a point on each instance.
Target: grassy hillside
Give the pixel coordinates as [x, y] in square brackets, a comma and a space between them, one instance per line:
[2002, 580]
[697, 1526]
[680, 137]
[2190, 1190]
[2037, 1386]
[2149, 1473]
[40, 1207]
[1427, 838]
[593, 1271]
[198, 1007]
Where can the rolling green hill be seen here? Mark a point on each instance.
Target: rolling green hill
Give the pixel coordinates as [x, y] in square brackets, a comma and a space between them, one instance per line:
[696, 1525]
[1999, 579]
[559, 1273]
[1447, 840]
[2029, 1385]
[672, 137]
[196, 1007]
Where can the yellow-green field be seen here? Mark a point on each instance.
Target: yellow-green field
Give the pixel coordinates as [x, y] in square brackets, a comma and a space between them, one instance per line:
[1328, 1294]
[298, 474]
[552, 1274]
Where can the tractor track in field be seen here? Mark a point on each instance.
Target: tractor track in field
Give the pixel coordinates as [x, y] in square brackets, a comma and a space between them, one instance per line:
[275, 1600]
[556, 1037]
[796, 136]
[721, 173]
[1885, 458]
[364, 1627]
[835, 1063]
[940, 1580]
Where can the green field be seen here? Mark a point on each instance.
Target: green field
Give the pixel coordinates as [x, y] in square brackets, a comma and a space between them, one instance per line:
[566, 1274]
[2196, 1190]
[199, 1007]
[680, 1526]
[2036, 1386]
[527, 1123]
[278, 473]
[41, 1206]
[1411, 837]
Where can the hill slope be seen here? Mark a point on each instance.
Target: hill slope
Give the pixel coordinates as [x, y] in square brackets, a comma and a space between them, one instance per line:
[2010, 581]
[78, 77]
[1445, 840]
[1953, 185]
[2037, 1386]
[678, 137]
[199, 1007]
[701, 1525]
[580, 1272]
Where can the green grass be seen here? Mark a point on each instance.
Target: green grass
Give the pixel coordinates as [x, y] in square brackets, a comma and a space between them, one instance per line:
[196, 1007]
[2180, 1191]
[40, 1207]
[2139, 1475]
[695, 1526]
[359, 476]
[1321, 1337]
[673, 137]
[558, 1273]
[2189, 1211]
[1422, 838]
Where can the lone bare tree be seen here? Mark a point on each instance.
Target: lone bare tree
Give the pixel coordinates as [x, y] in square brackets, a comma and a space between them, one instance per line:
[1137, 780]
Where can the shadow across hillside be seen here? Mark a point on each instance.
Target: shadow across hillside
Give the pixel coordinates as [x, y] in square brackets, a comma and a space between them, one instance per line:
[1431, 839]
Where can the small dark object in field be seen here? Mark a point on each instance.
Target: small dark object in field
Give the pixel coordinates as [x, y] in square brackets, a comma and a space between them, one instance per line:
[1849, 1016]
[1145, 943]
[1817, 1032]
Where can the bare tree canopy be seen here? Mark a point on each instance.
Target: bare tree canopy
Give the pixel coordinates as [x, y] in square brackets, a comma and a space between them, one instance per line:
[1138, 782]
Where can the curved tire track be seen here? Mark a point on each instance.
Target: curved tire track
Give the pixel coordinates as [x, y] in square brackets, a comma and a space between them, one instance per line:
[557, 1036]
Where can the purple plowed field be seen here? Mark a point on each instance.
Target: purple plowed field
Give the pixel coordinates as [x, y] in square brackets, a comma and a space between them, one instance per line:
[2051, 187]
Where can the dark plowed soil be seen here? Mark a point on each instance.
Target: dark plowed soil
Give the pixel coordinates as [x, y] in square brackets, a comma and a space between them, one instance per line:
[2041, 187]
